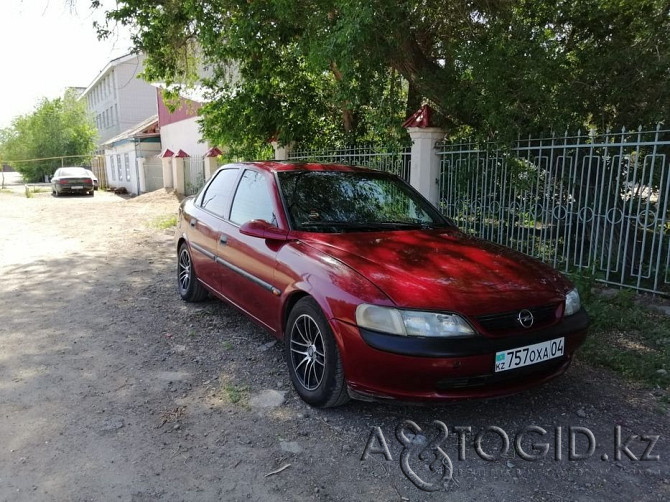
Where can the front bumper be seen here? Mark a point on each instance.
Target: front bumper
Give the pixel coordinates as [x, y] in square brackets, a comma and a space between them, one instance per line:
[385, 366]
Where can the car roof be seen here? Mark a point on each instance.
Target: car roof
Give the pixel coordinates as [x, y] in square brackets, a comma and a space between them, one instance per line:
[283, 166]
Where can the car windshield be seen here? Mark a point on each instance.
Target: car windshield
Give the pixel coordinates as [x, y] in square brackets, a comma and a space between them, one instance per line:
[337, 201]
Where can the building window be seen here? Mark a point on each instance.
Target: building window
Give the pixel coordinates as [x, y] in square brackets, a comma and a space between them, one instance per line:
[126, 160]
[111, 167]
[119, 167]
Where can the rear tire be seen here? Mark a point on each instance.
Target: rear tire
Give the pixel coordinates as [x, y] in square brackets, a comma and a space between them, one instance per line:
[189, 287]
[313, 359]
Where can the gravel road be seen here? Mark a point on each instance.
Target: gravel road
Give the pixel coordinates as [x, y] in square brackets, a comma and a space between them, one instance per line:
[111, 388]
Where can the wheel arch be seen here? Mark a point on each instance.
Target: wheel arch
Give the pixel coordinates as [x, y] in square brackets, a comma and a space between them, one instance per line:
[181, 240]
[293, 298]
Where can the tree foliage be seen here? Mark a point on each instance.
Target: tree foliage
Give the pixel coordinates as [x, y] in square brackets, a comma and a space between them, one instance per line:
[58, 127]
[353, 69]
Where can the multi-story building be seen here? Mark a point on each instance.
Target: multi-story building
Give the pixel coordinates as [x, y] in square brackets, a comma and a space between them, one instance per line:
[118, 99]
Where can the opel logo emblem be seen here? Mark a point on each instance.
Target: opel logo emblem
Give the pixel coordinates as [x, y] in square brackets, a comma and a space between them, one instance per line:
[525, 318]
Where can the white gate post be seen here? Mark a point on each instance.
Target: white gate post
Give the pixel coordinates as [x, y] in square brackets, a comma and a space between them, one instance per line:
[425, 163]
[211, 161]
[142, 174]
[425, 166]
[166, 159]
[178, 171]
[281, 152]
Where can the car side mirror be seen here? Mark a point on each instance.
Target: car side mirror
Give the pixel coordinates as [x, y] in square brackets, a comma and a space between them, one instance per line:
[263, 230]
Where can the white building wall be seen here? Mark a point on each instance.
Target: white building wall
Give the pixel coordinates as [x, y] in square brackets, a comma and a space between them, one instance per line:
[101, 100]
[148, 150]
[117, 99]
[184, 135]
[120, 164]
[136, 98]
[127, 176]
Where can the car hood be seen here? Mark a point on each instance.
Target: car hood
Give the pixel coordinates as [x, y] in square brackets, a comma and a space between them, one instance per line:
[445, 270]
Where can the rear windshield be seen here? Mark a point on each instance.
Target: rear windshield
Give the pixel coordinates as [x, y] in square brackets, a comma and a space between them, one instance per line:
[74, 171]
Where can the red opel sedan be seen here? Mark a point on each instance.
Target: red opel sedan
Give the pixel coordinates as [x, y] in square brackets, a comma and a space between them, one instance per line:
[375, 294]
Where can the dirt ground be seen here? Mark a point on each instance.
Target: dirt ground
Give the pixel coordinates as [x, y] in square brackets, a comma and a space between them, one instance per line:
[112, 388]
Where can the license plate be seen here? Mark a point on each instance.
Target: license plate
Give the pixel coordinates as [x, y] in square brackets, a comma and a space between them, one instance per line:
[77, 187]
[530, 354]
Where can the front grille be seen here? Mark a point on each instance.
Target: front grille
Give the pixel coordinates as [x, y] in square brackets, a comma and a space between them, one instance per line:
[535, 371]
[508, 321]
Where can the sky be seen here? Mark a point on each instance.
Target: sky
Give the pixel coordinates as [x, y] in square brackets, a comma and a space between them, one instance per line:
[46, 47]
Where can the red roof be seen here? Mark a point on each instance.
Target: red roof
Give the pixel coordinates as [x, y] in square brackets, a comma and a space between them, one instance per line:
[421, 118]
[213, 152]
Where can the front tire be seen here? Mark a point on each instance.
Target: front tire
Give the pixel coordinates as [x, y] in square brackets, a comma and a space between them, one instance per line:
[189, 287]
[314, 362]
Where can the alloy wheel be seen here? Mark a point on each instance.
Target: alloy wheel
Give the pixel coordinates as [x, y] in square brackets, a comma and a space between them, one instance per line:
[307, 352]
[184, 270]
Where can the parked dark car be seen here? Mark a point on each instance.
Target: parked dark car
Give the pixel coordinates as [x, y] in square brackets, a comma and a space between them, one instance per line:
[72, 180]
[375, 294]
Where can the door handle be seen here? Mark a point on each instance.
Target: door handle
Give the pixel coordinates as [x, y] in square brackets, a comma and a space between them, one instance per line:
[192, 222]
[223, 239]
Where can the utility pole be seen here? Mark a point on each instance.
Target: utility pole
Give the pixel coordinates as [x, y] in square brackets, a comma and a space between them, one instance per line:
[2, 169]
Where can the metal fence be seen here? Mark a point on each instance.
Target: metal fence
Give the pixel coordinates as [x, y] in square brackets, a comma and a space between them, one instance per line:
[194, 174]
[98, 168]
[396, 162]
[595, 202]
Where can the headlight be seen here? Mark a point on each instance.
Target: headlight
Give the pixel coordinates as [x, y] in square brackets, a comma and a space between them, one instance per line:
[572, 303]
[411, 323]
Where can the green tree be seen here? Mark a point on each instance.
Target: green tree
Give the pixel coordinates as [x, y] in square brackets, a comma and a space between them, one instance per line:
[496, 67]
[58, 127]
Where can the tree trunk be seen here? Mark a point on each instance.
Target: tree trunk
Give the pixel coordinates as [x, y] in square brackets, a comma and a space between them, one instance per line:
[430, 80]
[349, 120]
